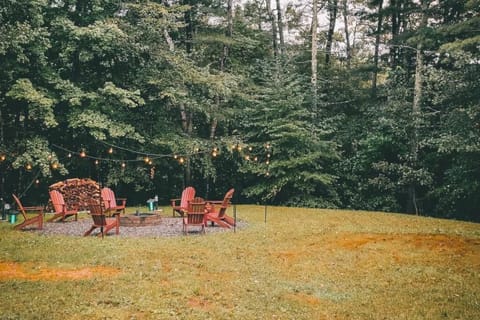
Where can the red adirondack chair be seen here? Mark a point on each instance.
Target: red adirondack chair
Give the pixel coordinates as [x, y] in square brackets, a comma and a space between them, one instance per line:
[101, 221]
[113, 205]
[216, 211]
[37, 219]
[60, 207]
[180, 205]
[195, 215]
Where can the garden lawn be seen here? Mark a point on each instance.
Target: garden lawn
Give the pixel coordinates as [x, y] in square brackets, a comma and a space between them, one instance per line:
[300, 264]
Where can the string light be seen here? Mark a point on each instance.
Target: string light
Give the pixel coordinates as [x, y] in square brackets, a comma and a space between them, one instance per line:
[3, 157]
[97, 162]
[147, 159]
[28, 167]
[124, 165]
[83, 154]
[181, 160]
[110, 150]
[54, 166]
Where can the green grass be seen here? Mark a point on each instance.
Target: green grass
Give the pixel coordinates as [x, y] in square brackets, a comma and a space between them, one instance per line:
[301, 264]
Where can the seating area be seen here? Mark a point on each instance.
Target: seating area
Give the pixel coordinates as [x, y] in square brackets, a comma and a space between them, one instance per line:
[180, 205]
[62, 211]
[101, 221]
[105, 211]
[37, 219]
[112, 204]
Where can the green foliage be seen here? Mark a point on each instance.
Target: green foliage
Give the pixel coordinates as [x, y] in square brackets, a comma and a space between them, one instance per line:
[169, 78]
[294, 165]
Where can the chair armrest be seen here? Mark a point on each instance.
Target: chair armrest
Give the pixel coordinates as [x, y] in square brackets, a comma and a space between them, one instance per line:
[214, 201]
[37, 208]
[122, 200]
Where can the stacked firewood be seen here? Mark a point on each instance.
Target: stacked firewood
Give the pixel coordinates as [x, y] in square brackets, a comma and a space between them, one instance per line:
[76, 192]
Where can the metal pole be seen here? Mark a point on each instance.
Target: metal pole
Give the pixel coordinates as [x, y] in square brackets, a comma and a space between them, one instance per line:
[265, 214]
[235, 218]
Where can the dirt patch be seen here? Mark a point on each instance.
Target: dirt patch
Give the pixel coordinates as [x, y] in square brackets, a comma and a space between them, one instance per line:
[30, 272]
[432, 242]
[199, 303]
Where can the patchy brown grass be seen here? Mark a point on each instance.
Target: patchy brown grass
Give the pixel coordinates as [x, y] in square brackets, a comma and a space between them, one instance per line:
[28, 271]
[300, 264]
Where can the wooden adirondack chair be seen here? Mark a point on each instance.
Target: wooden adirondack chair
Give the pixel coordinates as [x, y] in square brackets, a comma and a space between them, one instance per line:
[100, 220]
[217, 214]
[113, 205]
[37, 219]
[195, 215]
[60, 207]
[180, 205]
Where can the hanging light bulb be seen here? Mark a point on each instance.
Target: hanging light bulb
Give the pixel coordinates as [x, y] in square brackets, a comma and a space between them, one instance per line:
[214, 153]
[147, 159]
[97, 162]
[250, 148]
[267, 162]
[3, 157]
[69, 155]
[83, 154]
[124, 165]
[54, 166]
[37, 181]
[247, 157]
[175, 156]
[181, 160]
[28, 167]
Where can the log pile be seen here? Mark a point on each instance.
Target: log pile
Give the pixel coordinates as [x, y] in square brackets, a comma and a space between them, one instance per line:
[76, 192]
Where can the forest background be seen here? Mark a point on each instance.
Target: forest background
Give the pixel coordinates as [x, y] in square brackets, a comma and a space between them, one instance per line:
[355, 104]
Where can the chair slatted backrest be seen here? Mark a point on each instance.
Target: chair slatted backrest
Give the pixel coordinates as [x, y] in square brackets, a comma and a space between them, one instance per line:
[226, 202]
[187, 195]
[96, 211]
[57, 201]
[20, 207]
[108, 198]
[196, 211]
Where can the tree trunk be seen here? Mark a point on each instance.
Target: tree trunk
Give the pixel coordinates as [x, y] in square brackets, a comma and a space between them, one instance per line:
[377, 45]
[188, 27]
[332, 13]
[314, 57]
[271, 17]
[280, 28]
[347, 33]
[416, 108]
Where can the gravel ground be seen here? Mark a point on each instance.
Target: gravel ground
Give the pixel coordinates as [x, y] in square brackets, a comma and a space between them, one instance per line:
[169, 227]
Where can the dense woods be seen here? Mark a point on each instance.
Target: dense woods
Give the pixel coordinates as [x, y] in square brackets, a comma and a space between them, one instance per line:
[362, 104]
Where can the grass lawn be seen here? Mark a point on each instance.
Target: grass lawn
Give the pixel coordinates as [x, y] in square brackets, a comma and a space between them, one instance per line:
[301, 264]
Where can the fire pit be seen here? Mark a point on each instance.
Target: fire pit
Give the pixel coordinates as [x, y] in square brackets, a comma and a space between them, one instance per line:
[140, 219]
